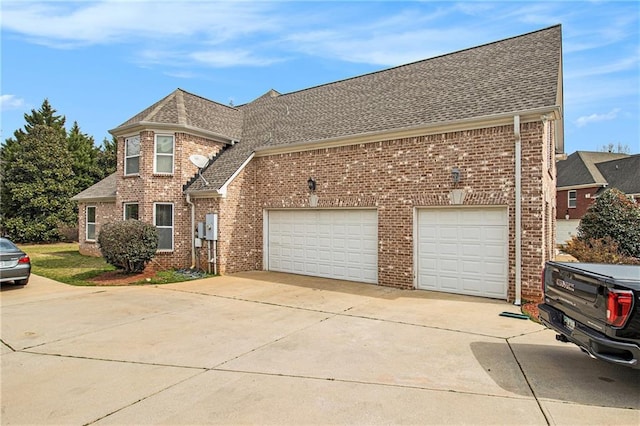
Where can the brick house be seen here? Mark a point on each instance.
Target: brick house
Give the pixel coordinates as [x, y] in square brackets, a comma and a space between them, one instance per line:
[436, 175]
[582, 176]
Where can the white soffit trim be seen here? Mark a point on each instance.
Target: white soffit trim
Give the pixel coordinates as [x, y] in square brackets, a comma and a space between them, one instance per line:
[584, 186]
[407, 132]
[168, 127]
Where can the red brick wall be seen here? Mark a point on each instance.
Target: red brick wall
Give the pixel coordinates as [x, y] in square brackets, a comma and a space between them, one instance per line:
[584, 198]
[395, 177]
[105, 213]
[148, 188]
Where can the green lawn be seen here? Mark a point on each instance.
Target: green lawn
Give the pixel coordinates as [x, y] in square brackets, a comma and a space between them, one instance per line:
[63, 262]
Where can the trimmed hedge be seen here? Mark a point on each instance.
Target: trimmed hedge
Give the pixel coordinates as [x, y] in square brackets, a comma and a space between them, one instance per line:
[128, 245]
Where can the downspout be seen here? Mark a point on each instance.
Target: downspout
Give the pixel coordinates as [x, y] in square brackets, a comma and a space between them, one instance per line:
[518, 212]
[193, 231]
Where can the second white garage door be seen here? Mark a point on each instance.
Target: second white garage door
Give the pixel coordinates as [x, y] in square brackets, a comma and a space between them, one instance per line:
[340, 244]
[463, 250]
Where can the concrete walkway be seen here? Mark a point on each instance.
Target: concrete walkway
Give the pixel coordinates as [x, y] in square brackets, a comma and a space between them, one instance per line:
[269, 348]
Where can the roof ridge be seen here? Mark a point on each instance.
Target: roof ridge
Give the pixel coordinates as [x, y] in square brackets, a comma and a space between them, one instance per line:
[282, 95]
[235, 108]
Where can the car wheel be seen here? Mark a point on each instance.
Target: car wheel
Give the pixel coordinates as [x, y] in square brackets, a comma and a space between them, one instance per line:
[22, 282]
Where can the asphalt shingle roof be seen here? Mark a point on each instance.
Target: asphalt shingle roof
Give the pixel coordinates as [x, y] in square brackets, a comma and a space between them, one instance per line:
[580, 168]
[509, 76]
[104, 190]
[189, 110]
[623, 174]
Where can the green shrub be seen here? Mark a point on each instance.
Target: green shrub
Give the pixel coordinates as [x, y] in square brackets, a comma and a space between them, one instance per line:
[128, 245]
[613, 215]
[603, 250]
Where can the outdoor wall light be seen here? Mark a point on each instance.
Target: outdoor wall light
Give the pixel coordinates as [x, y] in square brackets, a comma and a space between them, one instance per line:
[566, 216]
[312, 184]
[455, 175]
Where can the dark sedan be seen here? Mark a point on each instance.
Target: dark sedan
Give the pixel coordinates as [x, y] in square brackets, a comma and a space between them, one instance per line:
[15, 265]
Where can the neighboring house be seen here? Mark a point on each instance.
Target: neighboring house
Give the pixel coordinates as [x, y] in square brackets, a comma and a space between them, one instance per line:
[436, 175]
[582, 177]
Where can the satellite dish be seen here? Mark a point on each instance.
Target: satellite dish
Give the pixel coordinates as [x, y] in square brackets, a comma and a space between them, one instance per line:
[198, 160]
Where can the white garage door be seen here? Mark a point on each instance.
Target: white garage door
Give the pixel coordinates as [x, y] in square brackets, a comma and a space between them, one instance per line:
[341, 244]
[463, 250]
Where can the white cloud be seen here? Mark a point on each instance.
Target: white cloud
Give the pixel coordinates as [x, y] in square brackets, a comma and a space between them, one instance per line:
[11, 102]
[594, 118]
[230, 58]
[56, 24]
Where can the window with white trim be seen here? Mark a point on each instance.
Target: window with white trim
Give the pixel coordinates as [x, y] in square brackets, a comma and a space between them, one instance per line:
[163, 159]
[573, 196]
[163, 221]
[132, 155]
[131, 211]
[91, 223]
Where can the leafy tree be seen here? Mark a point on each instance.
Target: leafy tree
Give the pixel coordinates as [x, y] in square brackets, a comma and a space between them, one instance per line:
[36, 188]
[613, 215]
[128, 244]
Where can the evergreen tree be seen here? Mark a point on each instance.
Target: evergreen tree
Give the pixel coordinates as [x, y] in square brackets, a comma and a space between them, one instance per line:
[46, 116]
[41, 168]
[36, 185]
[107, 158]
[85, 156]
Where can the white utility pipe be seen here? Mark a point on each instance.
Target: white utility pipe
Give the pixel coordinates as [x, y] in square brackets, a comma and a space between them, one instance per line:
[193, 231]
[518, 212]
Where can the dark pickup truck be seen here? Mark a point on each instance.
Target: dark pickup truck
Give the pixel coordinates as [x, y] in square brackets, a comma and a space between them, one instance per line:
[595, 306]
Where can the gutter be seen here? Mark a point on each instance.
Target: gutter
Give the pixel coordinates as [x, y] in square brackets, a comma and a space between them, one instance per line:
[518, 207]
[502, 119]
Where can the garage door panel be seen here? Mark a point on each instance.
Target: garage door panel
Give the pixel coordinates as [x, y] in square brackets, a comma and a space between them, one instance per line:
[448, 266]
[339, 244]
[447, 249]
[463, 250]
[471, 249]
[448, 282]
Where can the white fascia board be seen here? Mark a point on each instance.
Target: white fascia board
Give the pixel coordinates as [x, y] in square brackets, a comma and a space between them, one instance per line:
[225, 186]
[552, 113]
[583, 186]
[222, 191]
[95, 200]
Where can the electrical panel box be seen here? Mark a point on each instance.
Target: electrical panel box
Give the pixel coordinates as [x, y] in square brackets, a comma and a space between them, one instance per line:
[200, 230]
[198, 242]
[211, 226]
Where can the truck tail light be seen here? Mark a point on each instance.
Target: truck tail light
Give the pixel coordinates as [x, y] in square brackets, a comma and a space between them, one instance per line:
[619, 303]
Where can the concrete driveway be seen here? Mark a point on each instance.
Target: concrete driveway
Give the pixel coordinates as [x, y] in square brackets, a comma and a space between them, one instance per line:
[268, 348]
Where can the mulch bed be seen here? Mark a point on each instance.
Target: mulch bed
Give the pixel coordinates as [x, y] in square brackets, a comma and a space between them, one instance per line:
[531, 309]
[121, 278]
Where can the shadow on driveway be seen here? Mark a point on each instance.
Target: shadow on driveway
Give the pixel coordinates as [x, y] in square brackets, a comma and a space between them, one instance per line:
[562, 373]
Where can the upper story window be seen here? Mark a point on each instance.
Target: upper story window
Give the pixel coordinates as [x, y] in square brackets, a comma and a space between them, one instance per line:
[132, 155]
[91, 223]
[163, 221]
[163, 161]
[131, 211]
[573, 196]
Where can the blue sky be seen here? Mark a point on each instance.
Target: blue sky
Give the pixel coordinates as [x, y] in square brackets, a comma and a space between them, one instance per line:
[101, 62]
